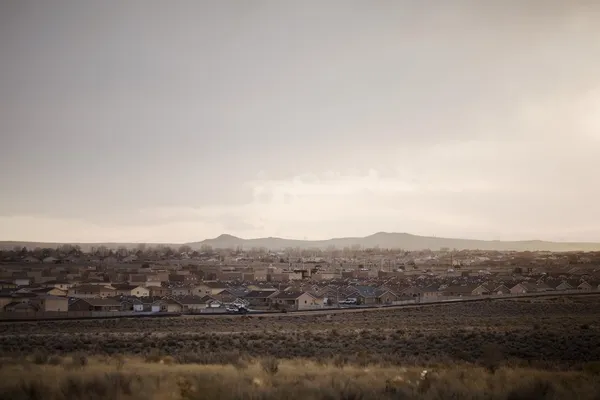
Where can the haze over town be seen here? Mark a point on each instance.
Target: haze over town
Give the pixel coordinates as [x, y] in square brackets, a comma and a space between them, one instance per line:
[175, 123]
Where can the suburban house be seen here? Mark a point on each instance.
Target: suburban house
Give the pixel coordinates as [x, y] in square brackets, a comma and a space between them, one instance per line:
[259, 298]
[214, 287]
[182, 291]
[295, 301]
[50, 303]
[481, 290]
[132, 304]
[7, 285]
[229, 295]
[585, 286]
[95, 304]
[159, 291]
[430, 292]
[91, 291]
[386, 297]
[364, 294]
[125, 289]
[523, 287]
[502, 289]
[201, 290]
[168, 305]
[51, 291]
[21, 306]
[195, 303]
[23, 281]
[137, 279]
[62, 285]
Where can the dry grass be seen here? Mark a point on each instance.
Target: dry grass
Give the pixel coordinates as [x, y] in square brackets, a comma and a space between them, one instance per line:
[108, 378]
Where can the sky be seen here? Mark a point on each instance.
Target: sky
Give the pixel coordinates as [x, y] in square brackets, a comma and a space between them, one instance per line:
[172, 122]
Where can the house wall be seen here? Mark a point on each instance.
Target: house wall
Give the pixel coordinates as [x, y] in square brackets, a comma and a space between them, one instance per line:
[181, 291]
[140, 292]
[387, 298]
[195, 307]
[55, 305]
[201, 291]
[80, 306]
[174, 308]
[4, 301]
[518, 289]
[431, 295]
[306, 301]
[160, 291]
[366, 300]
[564, 286]
[478, 291]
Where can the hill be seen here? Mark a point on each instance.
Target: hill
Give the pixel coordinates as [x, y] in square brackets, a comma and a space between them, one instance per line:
[387, 240]
[404, 241]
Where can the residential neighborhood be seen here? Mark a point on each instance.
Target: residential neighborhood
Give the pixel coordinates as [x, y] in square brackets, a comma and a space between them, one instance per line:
[164, 281]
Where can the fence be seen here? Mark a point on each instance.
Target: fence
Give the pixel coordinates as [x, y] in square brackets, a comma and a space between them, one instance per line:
[436, 299]
[46, 315]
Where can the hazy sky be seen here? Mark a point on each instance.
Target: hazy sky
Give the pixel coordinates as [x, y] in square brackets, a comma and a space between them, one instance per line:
[174, 121]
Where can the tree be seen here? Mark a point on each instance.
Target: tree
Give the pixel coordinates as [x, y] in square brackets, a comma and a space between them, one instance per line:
[185, 249]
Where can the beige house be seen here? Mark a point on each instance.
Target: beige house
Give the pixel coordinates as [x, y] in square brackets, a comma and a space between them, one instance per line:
[62, 285]
[295, 301]
[51, 291]
[168, 305]
[51, 303]
[201, 291]
[522, 288]
[387, 297]
[95, 304]
[91, 292]
[131, 290]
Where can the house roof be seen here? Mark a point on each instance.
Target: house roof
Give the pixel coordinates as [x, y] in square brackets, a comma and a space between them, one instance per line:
[214, 285]
[46, 290]
[463, 289]
[50, 297]
[367, 291]
[289, 295]
[192, 299]
[259, 294]
[124, 286]
[20, 305]
[93, 289]
[100, 302]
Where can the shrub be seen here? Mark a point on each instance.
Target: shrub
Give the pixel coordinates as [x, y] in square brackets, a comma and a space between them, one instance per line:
[55, 360]
[153, 356]
[40, 357]
[492, 356]
[79, 360]
[592, 367]
[270, 365]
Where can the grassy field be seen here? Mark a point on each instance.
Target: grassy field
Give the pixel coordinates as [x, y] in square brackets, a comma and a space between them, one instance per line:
[498, 349]
[267, 378]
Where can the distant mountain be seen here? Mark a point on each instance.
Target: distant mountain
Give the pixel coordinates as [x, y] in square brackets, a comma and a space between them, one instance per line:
[404, 241]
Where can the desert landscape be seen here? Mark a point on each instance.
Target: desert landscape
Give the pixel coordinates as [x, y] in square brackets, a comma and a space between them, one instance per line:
[541, 347]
